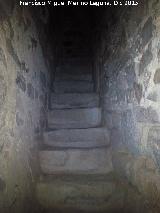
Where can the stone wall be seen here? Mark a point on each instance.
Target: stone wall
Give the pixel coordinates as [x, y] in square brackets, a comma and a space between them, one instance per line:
[24, 85]
[129, 53]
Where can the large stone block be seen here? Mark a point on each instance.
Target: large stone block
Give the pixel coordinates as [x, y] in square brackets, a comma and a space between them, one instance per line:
[74, 118]
[74, 100]
[75, 66]
[77, 138]
[75, 77]
[121, 157]
[146, 115]
[73, 87]
[154, 96]
[74, 161]
[142, 174]
[87, 193]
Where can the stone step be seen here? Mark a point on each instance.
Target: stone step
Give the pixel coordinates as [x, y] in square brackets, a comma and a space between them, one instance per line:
[76, 161]
[73, 87]
[88, 193]
[68, 53]
[67, 76]
[75, 49]
[77, 138]
[85, 193]
[74, 100]
[76, 69]
[76, 61]
[74, 118]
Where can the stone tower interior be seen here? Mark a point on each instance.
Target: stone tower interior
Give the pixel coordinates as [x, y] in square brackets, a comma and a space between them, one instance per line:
[80, 108]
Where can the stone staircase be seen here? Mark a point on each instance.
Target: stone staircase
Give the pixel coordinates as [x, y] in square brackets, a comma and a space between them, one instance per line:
[75, 161]
[76, 142]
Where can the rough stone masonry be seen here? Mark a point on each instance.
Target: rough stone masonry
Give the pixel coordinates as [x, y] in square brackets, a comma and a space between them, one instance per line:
[48, 155]
[129, 85]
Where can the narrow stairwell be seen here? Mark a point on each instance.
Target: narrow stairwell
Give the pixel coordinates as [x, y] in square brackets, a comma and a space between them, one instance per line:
[76, 164]
[79, 144]
[76, 155]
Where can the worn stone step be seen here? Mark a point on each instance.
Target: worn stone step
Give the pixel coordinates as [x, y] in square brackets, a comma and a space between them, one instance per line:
[77, 138]
[74, 118]
[88, 193]
[64, 76]
[76, 161]
[74, 100]
[73, 87]
[74, 68]
[74, 53]
[76, 61]
[76, 50]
